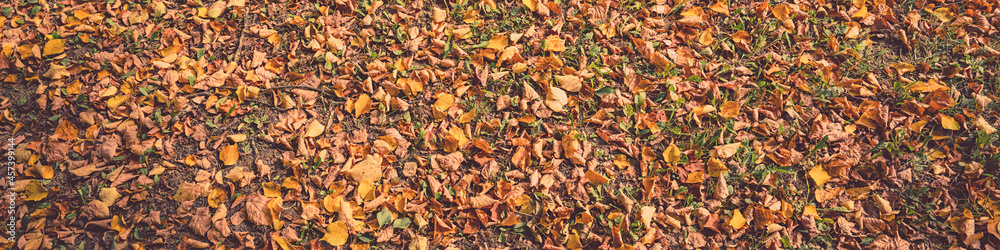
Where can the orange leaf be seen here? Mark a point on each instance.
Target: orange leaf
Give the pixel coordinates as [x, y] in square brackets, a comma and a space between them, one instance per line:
[229, 154]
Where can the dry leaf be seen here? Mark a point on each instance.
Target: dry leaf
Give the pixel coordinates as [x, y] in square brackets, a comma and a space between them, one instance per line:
[229, 154]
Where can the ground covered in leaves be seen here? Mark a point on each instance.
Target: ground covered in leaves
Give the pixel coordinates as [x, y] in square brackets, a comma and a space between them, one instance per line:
[532, 124]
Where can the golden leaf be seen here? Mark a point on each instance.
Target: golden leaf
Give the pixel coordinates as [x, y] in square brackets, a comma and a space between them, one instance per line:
[362, 105]
[730, 109]
[819, 175]
[56, 71]
[274, 209]
[336, 233]
[861, 14]
[499, 42]
[660, 61]
[54, 46]
[810, 210]
[716, 167]
[944, 14]
[271, 190]
[216, 9]
[229, 154]
[109, 195]
[672, 153]
[695, 177]
[531, 4]
[36, 191]
[706, 38]
[722, 7]
[948, 122]
[738, 220]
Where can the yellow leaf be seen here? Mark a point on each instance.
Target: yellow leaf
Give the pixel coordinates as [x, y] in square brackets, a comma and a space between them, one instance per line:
[722, 7]
[810, 210]
[819, 175]
[216, 197]
[531, 4]
[54, 46]
[858, 3]
[314, 129]
[336, 233]
[366, 190]
[444, 102]
[944, 14]
[555, 44]
[573, 242]
[672, 153]
[271, 190]
[117, 224]
[109, 195]
[116, 101]
[730, 109]
[948, 122]
[917, 126]
[706, 38]
[781, 11]
[467, 117]
[362, 105]
[716, 167]
[36, 191]
[499, 42]
[229, 154]
[596, 178]
[237, 138]
[738, 220]
[570, 83]
[861, 14]
[274, 209]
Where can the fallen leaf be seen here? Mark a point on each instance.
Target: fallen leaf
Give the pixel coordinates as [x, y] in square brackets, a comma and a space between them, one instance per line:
[569, 82]
[54, 46]
[819, 175]
[36, 191]
[948, 122]
[336, 233]
[596, 178]
[229, 154]
[672, 153]
[556, 99]
[362, 105]
[366, 170]
[738, 220]
[730, 109]
[726, 151]
[314, 129]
